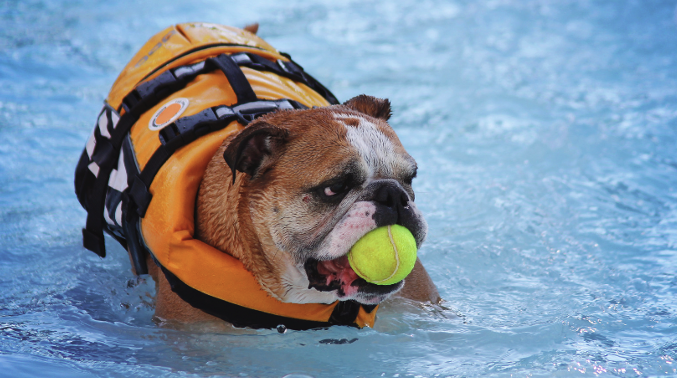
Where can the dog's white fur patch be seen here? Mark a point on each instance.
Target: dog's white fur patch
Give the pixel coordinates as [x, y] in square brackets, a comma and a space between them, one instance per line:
[377, 150]
[295, 282]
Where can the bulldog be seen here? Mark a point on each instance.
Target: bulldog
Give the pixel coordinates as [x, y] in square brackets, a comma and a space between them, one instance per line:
[293, 191]
[289, 183]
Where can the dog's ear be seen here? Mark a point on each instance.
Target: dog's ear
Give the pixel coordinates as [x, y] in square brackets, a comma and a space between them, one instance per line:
[370, 105]
[251, 146]
[252, 28]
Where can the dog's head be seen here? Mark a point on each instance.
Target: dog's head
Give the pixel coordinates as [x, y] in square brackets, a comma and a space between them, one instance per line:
[308, 184]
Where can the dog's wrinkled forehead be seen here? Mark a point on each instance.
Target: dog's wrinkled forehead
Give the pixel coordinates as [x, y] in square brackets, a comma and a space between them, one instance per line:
[376, 144]
[350, 143]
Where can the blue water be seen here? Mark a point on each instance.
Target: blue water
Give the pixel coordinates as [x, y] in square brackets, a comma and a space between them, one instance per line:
[546, 138]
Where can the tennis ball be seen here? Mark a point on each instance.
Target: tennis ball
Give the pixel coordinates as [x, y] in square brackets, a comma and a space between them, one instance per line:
[384, 256]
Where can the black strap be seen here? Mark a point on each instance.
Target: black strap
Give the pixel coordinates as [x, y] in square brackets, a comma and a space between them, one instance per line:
[344, 313]
[149, 93]
[92, 234]
[369, 308]
[289, 69]
[103, 158]
[238, 82]
[135, 244]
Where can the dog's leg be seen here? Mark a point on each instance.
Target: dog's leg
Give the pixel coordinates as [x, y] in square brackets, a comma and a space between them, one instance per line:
[419, 287]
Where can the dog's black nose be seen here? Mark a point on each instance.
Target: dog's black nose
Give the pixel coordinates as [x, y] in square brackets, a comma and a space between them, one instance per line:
[391, 195]
[392, 204]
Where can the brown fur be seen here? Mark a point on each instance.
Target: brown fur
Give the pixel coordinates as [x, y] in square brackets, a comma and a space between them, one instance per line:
[375, 107]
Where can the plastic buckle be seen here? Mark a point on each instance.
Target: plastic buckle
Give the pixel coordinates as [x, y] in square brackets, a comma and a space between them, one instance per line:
[186, 72]
[147, 93]
[241, 59]
[185, 130]
[224, 112]
[283, 65]
[154, 88]
[248, 112]
[291, 68]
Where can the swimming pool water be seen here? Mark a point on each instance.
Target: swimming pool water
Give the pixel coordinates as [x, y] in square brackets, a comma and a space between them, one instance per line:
[545, 134]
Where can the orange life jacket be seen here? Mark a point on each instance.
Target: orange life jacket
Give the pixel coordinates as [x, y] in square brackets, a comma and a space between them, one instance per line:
[168, 112]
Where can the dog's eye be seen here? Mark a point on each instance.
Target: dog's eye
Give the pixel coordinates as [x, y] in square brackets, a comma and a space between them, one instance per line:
[335, 189]
[334, 192]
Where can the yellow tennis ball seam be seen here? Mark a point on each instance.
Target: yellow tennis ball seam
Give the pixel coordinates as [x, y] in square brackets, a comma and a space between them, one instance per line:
[353, 265]
[397, 258]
